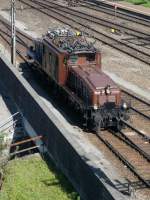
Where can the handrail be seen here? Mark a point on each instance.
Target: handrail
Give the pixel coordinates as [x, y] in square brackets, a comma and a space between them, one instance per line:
[8, 122]
[9, 119]
[10, 125]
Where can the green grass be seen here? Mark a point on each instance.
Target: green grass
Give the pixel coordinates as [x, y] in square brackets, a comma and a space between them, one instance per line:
[145, 3]
[31, 179]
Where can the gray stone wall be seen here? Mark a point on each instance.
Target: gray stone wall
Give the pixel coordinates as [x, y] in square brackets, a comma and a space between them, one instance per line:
[90, 182]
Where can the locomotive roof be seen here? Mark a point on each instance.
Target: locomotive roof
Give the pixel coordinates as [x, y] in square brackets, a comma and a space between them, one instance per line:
[95, 78]
[72, 44]
[99, 80]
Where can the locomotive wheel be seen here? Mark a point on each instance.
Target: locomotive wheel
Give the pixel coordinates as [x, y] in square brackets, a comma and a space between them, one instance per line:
[118, 127]
[98, 127]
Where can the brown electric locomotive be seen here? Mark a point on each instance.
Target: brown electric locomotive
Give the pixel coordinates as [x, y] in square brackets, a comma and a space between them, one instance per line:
[73, 66]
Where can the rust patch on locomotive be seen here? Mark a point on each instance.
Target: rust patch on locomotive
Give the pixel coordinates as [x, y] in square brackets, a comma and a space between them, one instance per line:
[73, 66]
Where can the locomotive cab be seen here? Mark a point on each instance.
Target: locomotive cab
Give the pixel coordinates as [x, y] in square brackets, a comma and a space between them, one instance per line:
[85, 59]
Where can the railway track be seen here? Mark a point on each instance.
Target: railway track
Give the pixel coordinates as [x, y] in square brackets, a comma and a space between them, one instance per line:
[128, 155]
[23, 41]
[138, 105]
[145, 137]
[140, 112]
[121, 13]
[62, 16]
[121, 143]
[136, 139]
[128, 34]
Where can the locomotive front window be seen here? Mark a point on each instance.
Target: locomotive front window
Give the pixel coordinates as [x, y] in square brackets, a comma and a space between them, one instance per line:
[82, 58]
[90, 57]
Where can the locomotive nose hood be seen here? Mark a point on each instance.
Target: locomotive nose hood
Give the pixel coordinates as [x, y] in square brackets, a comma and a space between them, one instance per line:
[95, 78]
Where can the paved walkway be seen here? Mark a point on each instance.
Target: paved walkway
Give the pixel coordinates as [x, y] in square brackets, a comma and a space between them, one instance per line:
[129, 6]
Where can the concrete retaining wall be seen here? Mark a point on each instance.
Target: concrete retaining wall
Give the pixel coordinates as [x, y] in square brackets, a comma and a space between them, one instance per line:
[88, 181]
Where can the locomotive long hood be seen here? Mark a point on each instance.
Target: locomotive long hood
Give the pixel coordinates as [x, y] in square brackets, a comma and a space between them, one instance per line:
[95, 78]
[100, 80]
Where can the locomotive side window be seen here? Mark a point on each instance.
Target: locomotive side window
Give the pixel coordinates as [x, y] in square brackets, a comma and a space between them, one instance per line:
[43, 49]
[50, 57]
[79, 87]
[84, 93]
[88, 97]
[71, 80]
[53, 62]
[76, 86]
[44, 56]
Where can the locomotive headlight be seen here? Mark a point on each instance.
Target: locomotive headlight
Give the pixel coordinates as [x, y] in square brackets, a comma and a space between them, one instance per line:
[124, 106]
[102, 91]
[95, 107]
[108, 91]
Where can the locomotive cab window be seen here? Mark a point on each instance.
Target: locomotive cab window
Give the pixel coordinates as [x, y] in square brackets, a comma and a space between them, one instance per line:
[82, 58]
[90, 57]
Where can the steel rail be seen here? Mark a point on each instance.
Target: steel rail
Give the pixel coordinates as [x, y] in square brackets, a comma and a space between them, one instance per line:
[19, 40]
[145, 137]
[3, 36]
[8, 26]
[18, 51]
[124, 160]
[135, 97]
[139, 112]
[140, 101]
[129, 142]
[121, 46]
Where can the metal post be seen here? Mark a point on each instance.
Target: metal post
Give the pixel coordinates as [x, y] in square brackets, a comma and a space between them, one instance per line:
[115, 6]
[13, 33]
